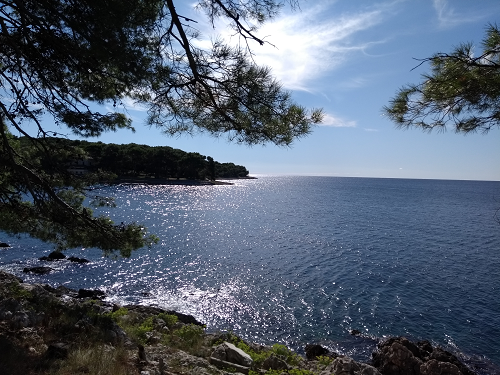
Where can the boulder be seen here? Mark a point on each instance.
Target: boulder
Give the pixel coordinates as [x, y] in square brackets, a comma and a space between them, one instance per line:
[315, 350]
[20, 320]
[38, 270]
[397, 357]
[229, 353]
[435, 367]
[93, 294]
[425, 348]
[444, 356]
[3, 244]
[55, 255]
[348, 366]
[226, 355]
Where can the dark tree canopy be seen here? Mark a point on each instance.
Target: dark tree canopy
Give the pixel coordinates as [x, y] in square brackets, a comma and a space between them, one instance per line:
[462, 90]
[59, 57]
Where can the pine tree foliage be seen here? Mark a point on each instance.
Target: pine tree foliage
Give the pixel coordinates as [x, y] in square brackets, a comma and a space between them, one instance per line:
[462, 90]
[58, 58]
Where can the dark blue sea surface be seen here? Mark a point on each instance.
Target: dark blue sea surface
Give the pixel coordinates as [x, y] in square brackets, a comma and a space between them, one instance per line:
[308, 259]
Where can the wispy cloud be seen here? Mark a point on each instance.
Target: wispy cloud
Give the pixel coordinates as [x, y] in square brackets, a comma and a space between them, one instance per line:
[330, 120]
[306, 44]
[448, 17]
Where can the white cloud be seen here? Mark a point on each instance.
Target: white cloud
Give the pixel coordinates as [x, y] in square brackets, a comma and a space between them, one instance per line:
[127, 104]
[306, 44]
[337, 122]
[448, 17]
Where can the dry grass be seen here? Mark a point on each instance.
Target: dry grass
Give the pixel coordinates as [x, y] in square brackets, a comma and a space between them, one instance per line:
[96, 360]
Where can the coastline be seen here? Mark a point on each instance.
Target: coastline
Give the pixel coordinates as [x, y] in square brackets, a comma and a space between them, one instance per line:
[48, 330]
[181, 181]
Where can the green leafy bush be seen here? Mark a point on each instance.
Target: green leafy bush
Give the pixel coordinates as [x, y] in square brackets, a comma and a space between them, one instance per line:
[190, 334]
[169, 319]
[290, 356]
[324, 360]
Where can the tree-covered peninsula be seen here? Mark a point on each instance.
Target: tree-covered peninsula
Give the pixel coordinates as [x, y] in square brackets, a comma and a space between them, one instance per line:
[118, 162]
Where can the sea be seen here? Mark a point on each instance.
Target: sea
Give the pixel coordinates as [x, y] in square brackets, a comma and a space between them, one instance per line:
[300, 259]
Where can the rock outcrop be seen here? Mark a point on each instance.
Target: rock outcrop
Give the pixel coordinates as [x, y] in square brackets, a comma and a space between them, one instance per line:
[400, 356]
[314, 351]
[38, 270]
[53, 256]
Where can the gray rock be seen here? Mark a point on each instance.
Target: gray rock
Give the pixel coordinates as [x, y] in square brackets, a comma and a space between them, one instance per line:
[229, 365]
[435, 367]
[395, 358]
[20, 320]
[348, 366]
[274, 363]
[142, 354]
[93, 294]
[55, 255]
[314, 350]
[230, 353]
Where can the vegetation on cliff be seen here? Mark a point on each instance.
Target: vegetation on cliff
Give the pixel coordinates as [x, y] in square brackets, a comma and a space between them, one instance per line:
[107, 161]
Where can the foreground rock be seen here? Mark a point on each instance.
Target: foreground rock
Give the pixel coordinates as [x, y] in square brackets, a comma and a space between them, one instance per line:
[399, 356]
[226, 355]
[47, 330]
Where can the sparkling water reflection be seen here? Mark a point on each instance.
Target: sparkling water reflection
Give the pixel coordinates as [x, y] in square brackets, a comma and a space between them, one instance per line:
[301, 259]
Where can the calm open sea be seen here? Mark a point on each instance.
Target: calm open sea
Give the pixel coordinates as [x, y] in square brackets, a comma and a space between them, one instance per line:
[307, 259]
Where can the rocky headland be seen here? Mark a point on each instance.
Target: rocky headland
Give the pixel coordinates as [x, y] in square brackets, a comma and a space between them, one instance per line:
[47, 330]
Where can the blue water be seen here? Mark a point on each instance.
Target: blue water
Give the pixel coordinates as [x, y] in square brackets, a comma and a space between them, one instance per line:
[307, 259]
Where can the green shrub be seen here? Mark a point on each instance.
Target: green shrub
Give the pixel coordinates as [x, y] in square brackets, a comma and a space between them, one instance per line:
[116, 315]
[139, 331]
[169, 319]
[324, 360]
[290, 356]
[190, 334]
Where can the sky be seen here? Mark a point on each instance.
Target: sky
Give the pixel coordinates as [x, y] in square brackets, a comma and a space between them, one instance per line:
[349, 58]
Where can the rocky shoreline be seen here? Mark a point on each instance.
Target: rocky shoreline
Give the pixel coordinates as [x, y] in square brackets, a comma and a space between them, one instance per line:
[47, 330]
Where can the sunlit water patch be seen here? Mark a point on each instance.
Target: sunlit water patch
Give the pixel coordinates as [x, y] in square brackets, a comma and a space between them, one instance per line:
[307, 259]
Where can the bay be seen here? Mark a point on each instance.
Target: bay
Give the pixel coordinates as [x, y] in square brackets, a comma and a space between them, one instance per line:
[297, 260]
